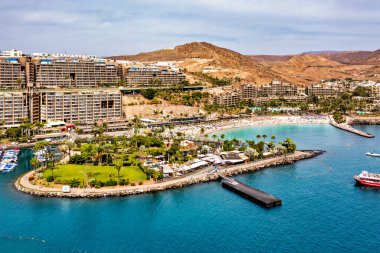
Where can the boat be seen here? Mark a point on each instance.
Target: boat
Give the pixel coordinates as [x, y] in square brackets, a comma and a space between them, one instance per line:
[372, 154]
[369, 179]
[9, 160]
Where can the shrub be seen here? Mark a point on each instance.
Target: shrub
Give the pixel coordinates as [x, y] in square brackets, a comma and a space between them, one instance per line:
[96, 183]
[140, 182]
[133, 184]
[110, 183]
[75, 182]
[124, 182]
[127, 163]
[95, 163]
[50, 179]
[31, 178]
[77, 159]
[58, 181]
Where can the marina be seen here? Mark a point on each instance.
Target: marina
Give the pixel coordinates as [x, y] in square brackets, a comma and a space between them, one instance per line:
[9, 160]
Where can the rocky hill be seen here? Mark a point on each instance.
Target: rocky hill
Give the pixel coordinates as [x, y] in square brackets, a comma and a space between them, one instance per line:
[355, 57]
[300, 69]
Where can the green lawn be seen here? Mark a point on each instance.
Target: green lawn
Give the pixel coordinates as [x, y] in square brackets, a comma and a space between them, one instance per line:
[100, 173]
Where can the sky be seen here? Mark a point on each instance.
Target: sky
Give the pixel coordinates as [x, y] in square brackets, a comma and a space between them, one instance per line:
[119, 27]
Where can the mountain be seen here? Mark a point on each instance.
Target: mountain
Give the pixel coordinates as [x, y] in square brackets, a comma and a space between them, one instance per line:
[265, 58]
[302, 69]
[345, 57]
[355, 57]
[197, 55]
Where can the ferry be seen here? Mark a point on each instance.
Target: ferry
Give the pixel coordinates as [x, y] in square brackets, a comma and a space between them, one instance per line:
[370, 179]
[373, 154]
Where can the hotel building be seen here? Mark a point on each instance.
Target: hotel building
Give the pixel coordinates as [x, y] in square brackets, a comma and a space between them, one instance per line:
[13, 108]
[75, 73]
[323, 90]
[277, 88]
[152, 77]
[85, 106]
[12, 73]
[228, 99]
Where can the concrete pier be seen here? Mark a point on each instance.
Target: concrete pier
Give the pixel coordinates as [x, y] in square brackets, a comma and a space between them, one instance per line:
[348, 128]
[259, 197]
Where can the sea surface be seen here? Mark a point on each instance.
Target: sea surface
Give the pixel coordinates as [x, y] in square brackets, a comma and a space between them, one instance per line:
[323, 210]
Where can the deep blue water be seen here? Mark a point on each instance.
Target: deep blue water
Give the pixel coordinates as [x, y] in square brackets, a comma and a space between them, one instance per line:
[323, 210]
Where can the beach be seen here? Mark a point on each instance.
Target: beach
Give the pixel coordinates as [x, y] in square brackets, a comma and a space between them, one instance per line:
[211, 128]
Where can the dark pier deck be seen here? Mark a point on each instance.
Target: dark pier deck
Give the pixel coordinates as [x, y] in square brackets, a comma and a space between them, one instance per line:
[259, 197]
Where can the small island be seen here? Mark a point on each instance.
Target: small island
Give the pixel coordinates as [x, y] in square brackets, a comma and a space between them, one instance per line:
[149, 160]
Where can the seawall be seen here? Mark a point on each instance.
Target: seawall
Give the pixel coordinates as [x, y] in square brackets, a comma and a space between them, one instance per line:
[22, 183]
[348, 128]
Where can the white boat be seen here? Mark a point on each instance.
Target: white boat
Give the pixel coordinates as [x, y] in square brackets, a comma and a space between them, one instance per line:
[373, 154]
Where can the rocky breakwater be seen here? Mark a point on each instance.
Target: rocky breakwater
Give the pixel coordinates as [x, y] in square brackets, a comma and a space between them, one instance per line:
[23, 184]
[363, 121]
[348, 128]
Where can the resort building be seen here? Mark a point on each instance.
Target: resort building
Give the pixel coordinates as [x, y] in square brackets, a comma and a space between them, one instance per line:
[323, 90]
[71, 72]
[229, 98]
[152, 77]
[249, 91]
[277, 88]
[13, 108]
[84, 106]
[12, 73]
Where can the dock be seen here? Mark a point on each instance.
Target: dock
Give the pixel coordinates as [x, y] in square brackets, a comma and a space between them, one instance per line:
[348, 128]
[259, 197]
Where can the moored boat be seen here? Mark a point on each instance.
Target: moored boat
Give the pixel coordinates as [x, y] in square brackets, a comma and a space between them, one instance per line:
[369, 179]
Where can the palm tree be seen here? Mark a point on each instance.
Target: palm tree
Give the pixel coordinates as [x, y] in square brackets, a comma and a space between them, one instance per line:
[222, 136]
[258, 136]
[273, 138]
[214, 136]
[34, 162]
[264, 137]
[70, 146]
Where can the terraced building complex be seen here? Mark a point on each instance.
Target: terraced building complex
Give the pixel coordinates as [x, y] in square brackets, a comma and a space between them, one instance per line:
[14, 107]
[85, 106]
[152, 76]
[12, 73]
[75, 73]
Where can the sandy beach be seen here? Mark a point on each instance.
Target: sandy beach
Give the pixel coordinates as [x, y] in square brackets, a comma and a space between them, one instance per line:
[195, 130]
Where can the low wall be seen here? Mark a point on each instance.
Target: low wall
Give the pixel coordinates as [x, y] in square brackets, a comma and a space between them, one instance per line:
[21, 183]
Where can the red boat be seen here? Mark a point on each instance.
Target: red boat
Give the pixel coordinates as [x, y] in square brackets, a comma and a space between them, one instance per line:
[370, 179]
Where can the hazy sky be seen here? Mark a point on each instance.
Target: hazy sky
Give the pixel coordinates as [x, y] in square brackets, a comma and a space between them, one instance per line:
[111, 27]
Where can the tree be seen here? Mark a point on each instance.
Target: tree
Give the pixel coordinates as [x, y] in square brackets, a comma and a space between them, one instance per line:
[222, 136]
[118, 161]
[70, 146]
[34, 162]
[264, 136]
[273, 138]
[148, 93]
[258, 136]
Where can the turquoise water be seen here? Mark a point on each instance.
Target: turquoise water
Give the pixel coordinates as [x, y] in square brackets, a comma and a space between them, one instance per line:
[323, 210]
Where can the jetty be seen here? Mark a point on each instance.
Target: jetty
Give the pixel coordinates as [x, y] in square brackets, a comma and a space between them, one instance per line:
[259, 197]
[348, 128]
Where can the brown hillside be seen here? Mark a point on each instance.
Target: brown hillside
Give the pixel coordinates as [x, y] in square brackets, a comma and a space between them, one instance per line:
[197, 55]
[299, 69]
[269, 58]
[355, 57]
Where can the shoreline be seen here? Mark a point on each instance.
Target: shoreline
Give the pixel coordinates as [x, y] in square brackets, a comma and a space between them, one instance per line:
[252, 122]
[22, 183]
